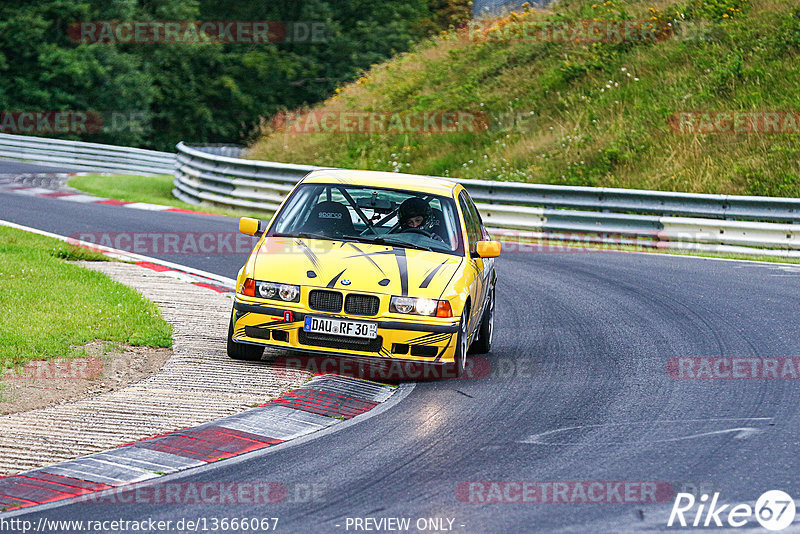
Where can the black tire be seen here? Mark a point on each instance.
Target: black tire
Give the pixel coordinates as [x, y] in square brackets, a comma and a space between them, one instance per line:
[483, 344]
[459, 365]
[242, 351]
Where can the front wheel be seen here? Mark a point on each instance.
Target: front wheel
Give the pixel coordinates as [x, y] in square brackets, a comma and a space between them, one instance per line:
[242, 351]
[483, 344]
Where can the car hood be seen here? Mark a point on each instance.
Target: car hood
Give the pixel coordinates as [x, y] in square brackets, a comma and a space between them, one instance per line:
[367, 267]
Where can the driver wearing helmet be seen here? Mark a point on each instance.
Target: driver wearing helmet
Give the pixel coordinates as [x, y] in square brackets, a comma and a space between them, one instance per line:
[415, 215]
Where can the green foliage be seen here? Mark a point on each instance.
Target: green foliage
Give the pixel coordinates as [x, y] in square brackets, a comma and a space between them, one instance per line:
[200, 92]
[715, 10]
[587, 113]
[787, 38]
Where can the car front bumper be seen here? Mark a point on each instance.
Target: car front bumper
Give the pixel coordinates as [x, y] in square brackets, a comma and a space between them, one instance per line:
[432, 341]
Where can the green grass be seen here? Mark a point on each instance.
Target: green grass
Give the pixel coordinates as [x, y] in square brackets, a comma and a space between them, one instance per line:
[75, 253]
[586, 114]
[733, 256]
[149, 189]
[48, 305]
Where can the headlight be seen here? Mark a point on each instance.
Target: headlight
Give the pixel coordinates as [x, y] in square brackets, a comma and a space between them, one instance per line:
[289, 293]
[267, 290]
[426, 306]
[419, 306]
[271, 290]
[402, 305]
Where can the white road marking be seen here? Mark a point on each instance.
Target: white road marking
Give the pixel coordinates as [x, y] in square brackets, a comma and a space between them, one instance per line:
[741, 432]
[146, 206]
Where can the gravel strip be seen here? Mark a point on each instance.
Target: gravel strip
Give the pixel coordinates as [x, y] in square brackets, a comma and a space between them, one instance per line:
[199, 383]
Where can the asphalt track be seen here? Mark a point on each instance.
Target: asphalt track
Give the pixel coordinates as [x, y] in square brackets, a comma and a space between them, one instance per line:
[582, 343]
[13, 167]
[98, 220]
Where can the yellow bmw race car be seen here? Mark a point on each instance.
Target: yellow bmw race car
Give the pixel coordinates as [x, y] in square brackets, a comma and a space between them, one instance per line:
[365, 264]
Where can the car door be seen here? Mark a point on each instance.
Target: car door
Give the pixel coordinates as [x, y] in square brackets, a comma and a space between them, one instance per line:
[486, 264]
[474, 234]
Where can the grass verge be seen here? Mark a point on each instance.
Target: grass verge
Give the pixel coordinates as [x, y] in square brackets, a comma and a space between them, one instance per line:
[581, 113]
[149, 189]
[49, 306]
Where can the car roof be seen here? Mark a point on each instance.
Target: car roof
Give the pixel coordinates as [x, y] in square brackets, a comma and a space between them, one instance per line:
[390, 180]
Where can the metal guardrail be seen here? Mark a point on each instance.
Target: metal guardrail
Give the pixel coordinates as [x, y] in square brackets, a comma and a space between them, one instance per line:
[231, 151]
[201, 176]
[217, 175]
[81, 156]
[724, 223]
[498, 8]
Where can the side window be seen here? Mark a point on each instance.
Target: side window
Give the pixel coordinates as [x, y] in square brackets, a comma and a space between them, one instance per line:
[484, 235]
[470, 220]
[296, 211]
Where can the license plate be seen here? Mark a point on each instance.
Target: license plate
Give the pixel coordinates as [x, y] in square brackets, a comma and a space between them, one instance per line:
[340, 327]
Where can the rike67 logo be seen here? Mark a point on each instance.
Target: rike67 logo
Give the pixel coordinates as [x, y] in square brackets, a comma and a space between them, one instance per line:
[774, 510]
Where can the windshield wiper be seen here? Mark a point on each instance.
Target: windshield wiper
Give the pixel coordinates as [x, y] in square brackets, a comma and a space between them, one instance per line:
[304, 235]
[380, 240]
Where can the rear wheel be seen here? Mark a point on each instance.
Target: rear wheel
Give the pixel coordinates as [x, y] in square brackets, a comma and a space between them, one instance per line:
[242, 351]
[483, 344]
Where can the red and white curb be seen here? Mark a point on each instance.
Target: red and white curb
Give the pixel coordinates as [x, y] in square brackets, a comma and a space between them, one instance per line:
[220, 284]
[12, 187]
[323, 402]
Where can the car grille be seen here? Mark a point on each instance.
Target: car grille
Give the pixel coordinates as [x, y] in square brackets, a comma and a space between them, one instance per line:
[331, 341]
[361, 304]
[329, 301]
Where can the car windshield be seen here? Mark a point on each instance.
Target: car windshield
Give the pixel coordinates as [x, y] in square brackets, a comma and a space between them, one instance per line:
[371, 215]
